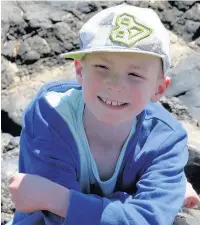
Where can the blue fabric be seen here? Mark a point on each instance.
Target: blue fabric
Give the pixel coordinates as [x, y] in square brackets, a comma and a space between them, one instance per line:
[151, 182]
[70, 105]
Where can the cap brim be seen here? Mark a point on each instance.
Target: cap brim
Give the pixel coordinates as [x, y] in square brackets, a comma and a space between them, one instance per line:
[80, 54]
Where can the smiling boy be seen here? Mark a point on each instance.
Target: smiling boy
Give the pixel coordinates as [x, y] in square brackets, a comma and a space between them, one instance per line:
[110, 84]
[110, 153]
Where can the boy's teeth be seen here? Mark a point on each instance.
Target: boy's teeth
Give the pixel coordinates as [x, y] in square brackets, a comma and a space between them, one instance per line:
[111, 103]
[119, 103]
[114, 103]
[108, 102]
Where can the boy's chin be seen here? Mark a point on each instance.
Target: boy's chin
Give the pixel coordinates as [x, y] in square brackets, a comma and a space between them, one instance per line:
[112, 121]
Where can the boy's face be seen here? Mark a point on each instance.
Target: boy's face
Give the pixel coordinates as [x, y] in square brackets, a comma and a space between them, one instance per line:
[117, 86]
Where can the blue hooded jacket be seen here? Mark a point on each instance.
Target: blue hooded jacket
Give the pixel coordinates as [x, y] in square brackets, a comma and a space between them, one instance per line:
[150, 186]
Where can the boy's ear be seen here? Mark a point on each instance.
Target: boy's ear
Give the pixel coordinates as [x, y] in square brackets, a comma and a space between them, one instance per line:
[163, 84]
[78, 68]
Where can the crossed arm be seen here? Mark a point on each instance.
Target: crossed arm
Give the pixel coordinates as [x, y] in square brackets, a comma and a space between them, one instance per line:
[60, 193]
[42, 194]
[31, 193]
[39, 193]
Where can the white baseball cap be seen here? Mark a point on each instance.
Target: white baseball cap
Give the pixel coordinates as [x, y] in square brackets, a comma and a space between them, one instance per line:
[124, 28]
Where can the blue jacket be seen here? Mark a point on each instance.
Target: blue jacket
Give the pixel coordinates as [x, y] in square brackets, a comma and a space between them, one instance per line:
[151, 183]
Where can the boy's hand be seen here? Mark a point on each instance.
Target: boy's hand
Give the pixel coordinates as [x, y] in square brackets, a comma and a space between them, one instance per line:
[191, 197]
[32, 193]
[28, 192]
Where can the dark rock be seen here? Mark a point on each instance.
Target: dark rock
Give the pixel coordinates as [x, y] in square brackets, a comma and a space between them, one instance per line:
[23, 48]
[32, 49]
[5, 218]
[39, 45]
[9, 142]
[182, 5]
[87, 7]
[194, 155]
[9, 166]
[181, 112]
[4, 32]
[36, 14]
[190, 29]
[10, 49]
[191, 26]
[193, 13]
[55, 45]
[186, 81]
[171, 15]
[192, 100]
[192, 168]
[5, 140]
[175, 14]
[188, 24]
[197, 41]
[16, 99]
[56, 16]
[176, 107]
[196, 34]
[106, 4]
[15, 103]
[11, 18]
[8, 125]
[144, 4]
[31, 57]
[185, 219]
[70, 6]
[64, 34]
[193, 172]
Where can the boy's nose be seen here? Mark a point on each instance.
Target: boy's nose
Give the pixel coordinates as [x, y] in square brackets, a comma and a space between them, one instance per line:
[115, 83]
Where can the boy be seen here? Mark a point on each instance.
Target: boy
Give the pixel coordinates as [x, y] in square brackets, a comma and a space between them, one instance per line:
[104, 150]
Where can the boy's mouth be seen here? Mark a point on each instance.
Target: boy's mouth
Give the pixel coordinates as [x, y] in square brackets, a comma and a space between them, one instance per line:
[112, 104]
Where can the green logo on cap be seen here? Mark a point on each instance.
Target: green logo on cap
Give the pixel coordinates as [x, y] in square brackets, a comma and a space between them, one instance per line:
[128, 31]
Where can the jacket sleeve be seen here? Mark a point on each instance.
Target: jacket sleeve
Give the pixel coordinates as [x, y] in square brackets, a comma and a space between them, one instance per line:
[47, 152]
[159, 196]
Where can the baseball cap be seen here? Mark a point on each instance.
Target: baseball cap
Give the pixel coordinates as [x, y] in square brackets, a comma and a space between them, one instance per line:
[124, 28]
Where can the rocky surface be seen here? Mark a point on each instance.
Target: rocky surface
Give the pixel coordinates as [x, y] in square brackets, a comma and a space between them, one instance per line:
[35, 33]
[189, 92]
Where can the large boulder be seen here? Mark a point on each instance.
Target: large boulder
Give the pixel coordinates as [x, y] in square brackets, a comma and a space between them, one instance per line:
[180, 49]
[185, 83]
[192, 127]
[17, 98]
[34, 34]
[176, 107]
[192, 169]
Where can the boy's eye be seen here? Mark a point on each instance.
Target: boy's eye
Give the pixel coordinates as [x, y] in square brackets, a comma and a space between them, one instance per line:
[101, 66]
[135, 75]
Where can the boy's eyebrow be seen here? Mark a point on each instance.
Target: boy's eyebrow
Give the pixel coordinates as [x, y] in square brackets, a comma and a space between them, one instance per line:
[137, 67]
[106, 60]
[132, 66]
